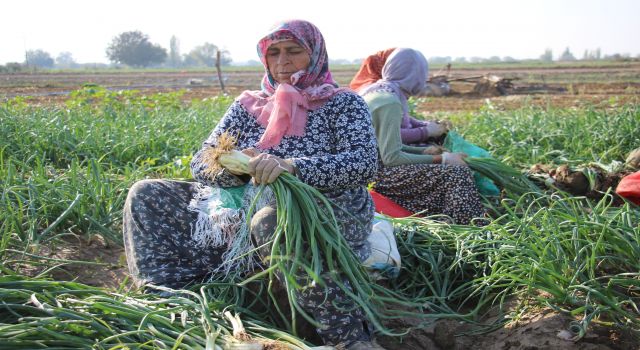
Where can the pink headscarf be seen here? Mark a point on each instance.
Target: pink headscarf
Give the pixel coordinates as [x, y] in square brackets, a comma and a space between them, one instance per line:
[282, 108]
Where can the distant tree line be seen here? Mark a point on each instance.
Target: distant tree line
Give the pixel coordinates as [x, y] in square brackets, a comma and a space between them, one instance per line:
[588, 55]
[134, 49]
[547, 56]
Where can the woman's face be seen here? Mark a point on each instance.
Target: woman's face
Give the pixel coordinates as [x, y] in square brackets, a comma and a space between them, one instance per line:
[285, 58]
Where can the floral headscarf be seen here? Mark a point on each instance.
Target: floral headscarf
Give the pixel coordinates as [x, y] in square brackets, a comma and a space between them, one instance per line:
[282, 108]
[404, 74]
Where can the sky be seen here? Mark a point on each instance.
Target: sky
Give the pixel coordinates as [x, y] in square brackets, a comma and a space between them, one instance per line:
[352, 29]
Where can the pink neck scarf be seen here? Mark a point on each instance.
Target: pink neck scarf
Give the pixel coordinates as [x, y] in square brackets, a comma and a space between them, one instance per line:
[282, 109]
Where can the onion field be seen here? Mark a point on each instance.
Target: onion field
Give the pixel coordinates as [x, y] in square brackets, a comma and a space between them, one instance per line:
[65, 170]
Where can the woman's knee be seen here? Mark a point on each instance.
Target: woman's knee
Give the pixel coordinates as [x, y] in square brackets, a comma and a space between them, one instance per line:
[141, 189]
[142, 186]
[263, 224]
[264, 219]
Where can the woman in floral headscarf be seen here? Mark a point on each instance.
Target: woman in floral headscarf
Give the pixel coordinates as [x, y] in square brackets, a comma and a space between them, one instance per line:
[299, 122]
[419, 182]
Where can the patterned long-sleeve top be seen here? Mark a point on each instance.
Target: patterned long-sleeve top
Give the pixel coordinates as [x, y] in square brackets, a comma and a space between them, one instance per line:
[337, 151]
[337, 155]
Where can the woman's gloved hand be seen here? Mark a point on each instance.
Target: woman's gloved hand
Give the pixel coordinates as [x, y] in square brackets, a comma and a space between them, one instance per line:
[435, 129]
[265, 168]
[433, 150]
[454, 159]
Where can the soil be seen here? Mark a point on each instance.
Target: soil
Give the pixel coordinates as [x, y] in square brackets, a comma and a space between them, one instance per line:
[93, 262]
[541, 329]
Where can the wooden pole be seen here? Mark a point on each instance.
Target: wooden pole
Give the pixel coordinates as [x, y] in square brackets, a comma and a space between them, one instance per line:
[219, 72]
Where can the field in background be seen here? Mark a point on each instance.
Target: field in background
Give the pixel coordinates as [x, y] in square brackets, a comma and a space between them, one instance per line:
[583, 82]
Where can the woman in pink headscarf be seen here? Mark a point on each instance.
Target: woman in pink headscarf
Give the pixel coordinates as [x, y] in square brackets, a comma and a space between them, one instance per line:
[299, 122]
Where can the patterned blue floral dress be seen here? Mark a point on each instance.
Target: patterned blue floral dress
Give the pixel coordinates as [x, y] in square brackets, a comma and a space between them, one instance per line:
[337, 155]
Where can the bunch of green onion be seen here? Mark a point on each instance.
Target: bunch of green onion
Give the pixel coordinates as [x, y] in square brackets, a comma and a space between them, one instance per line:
[502, 175]
[307, 244]
[42, 314]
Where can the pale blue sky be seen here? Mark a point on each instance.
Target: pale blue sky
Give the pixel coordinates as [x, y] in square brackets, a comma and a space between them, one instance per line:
[352, 29]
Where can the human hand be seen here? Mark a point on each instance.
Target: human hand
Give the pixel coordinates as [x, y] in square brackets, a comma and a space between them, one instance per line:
[454, 159]
[433, 150]
[435, 129]
[265, 168]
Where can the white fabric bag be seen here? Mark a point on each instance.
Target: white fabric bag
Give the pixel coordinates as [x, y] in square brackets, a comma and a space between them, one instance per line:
[385, 258]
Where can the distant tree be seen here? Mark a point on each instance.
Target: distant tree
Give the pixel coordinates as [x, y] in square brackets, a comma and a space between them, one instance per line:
[65, 60]
[592, 54]
[39, 58]
[624, 57]
[174, 53]
[205, 55]
[134, 49]
[597, 54]
[14, 67]
[566, 56]
[509, 59]
[460, 59]
[547, 56]
[495, 59]
[614, 57]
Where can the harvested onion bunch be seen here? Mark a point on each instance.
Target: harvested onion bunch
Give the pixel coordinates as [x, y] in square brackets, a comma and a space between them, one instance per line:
[503, 175]
[307, 242]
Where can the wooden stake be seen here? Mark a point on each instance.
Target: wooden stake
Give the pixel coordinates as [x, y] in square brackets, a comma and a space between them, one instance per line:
[219, 72]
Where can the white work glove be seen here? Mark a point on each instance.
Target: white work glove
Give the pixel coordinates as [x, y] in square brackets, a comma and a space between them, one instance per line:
[435, 129]
[454, 159]
[433, 150]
